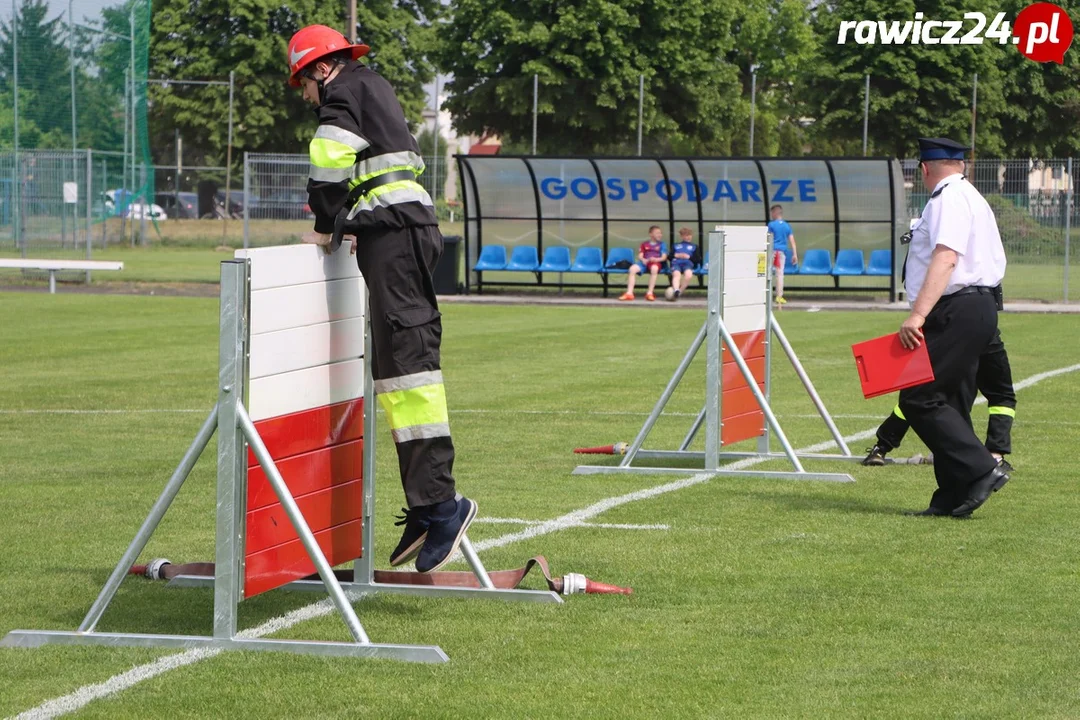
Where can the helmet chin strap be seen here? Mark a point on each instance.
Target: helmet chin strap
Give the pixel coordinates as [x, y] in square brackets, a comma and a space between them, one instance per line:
[321, 83]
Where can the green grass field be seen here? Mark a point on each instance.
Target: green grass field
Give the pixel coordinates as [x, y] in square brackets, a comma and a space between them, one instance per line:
[764, 598]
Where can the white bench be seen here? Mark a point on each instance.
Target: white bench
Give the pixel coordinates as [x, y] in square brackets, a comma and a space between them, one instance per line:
[55, 265]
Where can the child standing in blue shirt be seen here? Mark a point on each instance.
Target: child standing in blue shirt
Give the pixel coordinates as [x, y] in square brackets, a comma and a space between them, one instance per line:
[782, 239]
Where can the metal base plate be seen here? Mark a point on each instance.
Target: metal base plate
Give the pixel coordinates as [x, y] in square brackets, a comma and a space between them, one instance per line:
[406, 653]
[768, 475]
[540, 596]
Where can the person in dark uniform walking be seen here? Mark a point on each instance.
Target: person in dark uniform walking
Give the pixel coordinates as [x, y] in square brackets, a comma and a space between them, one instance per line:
[994, 380]
[363, 184]
[954, 264]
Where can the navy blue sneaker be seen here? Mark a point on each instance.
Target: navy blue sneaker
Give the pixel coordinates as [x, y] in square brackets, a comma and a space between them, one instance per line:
[448, 522]
[412, 538]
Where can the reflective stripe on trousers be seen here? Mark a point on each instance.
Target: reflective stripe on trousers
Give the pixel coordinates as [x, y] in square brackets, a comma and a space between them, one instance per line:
[415, 405]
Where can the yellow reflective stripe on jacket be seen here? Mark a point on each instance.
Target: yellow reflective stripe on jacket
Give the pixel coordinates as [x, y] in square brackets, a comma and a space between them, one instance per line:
[321, 174]
[327, 153]
[424, 405]
[402, 191]
[343, 136]
[1000, 410]
[389, 162]
[897, 412]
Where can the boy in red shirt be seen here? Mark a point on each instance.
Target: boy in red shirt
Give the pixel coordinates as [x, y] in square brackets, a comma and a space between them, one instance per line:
[651, 258]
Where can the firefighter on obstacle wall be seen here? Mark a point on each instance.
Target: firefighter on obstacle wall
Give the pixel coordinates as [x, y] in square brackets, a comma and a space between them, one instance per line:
[363, 185]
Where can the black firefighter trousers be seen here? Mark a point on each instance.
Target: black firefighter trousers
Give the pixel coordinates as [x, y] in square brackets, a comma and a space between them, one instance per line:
[406, 333]
[957, 332]
[994, 380]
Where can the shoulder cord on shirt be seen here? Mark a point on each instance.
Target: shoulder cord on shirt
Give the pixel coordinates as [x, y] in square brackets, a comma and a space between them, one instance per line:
[905, 239]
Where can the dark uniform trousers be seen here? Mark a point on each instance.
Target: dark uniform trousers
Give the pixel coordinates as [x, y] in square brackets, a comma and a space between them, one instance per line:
[406, 333]
[957, 332]
[994, 380]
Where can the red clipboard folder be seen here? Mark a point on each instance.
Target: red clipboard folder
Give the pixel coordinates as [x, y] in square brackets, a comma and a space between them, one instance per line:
[885, 366]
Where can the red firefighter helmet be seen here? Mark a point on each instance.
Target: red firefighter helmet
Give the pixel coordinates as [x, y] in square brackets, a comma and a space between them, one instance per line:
[315, 42]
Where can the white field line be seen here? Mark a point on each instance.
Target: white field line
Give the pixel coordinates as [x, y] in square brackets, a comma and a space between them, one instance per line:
[88, 693]
[604, 526]
[30, 411]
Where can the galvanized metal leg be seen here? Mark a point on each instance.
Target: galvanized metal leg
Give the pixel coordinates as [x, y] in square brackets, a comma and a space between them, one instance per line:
[52, 282]
[157, 512]
[664, 397]
[693, 430]
[407, 653]
[311, 545]
[474, 562]
[764, 442]
[714, 356]
[232, 458]
[363, 567]
[810, 389]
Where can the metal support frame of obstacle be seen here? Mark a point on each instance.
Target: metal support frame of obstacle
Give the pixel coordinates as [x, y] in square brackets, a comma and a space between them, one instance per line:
[737, 337]
[291, 366]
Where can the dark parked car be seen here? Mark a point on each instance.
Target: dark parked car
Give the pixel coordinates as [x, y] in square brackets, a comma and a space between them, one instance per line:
[236, 202]
[283, 205]
[183, 205]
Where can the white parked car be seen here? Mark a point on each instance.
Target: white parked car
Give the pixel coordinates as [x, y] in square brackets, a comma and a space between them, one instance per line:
[136, 210]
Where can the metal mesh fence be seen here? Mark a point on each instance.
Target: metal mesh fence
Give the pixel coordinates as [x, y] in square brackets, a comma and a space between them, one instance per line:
[274, 198]
[57, 200]
[75, 79]
[1036, 216]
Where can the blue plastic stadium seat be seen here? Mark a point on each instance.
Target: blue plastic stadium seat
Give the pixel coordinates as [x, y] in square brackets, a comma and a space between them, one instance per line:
[703, 268]
[880, 263]
[524, 258]
[556, 259]
[789, 267]
[588, 260]
[816, 262]
[618, 255]
[848, 262]
[492, 257]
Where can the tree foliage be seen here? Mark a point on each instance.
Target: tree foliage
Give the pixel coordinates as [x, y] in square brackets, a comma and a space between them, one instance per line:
[588, 57]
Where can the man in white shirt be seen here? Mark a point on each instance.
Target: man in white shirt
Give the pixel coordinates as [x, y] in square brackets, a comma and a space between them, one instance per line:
[954, 263]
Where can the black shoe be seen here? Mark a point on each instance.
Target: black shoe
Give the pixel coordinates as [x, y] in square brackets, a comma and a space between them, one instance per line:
[935, 512]
[979, 491]
[412, 538]
[1004, 465]
[929, 512]
[449, 521]
[876, 456]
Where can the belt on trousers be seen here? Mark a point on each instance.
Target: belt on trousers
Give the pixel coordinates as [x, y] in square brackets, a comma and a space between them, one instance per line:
[358, 192]
[971, 290]
[378, 181]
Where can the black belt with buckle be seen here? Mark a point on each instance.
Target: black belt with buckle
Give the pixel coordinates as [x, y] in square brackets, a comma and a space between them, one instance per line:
[971, 290]
[358, 192]
[378, 181]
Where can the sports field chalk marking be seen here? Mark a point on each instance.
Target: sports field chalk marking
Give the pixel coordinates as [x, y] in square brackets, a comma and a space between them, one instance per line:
[602, 526]
[83, 696]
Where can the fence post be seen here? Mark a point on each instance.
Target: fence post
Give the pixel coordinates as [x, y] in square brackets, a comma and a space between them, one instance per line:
[1068, 220]
[536, 96]
[640, 110]
[228, 161]
[89, 208]
[247, 191]
[435, 147]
